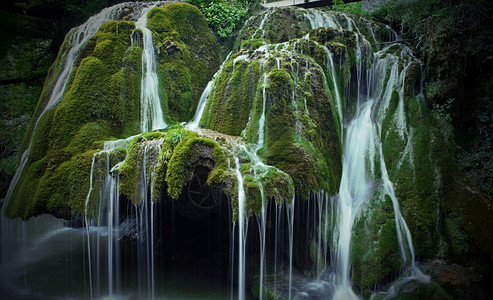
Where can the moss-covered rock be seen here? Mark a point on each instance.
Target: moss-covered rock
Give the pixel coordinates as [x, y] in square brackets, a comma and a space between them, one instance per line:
[139, 166]
[188, 56]
[375, 253]
[188, 154]
[101, 101]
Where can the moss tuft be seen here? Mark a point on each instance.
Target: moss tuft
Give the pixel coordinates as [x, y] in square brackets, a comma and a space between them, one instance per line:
[189, 153]
[188, 56]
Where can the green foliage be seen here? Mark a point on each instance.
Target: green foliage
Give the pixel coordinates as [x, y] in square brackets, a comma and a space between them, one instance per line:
[223, 16]
[349, 8]
[426, 23]
[443, 110]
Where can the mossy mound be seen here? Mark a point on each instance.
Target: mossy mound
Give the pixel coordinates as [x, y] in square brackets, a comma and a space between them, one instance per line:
[288, 90]
[375, 227]
[188, 56]
[272, 26]
[101, 101]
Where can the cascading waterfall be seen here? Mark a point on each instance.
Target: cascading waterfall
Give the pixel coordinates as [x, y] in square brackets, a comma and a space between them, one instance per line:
[353, 192]
[151, 113]
[242, 231]
[108, 196]
[203, 98]
[362, 149]
[378, 77]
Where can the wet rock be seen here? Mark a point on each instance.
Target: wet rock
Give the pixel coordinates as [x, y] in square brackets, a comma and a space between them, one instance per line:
[458, 281]
[171, 48]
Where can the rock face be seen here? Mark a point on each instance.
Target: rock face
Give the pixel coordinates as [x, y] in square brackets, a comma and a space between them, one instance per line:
[276, 125]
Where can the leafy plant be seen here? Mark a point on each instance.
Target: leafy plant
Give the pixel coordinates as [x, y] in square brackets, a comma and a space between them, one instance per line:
[443, 110]
[222, 15]
[350, 8]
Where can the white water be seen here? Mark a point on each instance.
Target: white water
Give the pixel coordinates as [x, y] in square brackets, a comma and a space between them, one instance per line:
[242, 231]
[151, 113]
[353, 192]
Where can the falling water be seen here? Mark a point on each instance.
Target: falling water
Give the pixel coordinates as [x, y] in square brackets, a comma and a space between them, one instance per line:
[107, 196]
[205, 94]
[151, 112]
[362, 149]
[78, 38]
[242, 231]
[353, 191]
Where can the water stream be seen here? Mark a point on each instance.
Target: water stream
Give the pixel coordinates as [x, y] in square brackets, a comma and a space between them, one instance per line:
[98, 248]
[151, 113]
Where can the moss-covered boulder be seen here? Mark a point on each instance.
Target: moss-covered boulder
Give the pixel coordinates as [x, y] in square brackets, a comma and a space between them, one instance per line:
[289, 92]
[188, 55]
[101, 102]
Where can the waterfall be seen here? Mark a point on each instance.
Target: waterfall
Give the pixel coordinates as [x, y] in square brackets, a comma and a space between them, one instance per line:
[242, 231]
[151, 112]
[107, 196]
[76, 39]
[353, 191]
[359, 112]
[362, 150]
[205, 94]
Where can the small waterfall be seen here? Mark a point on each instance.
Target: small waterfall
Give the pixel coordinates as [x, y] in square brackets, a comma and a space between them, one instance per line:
[242, 231]
[151, 113]
[78, 38]
[103, 219]
[203, 98]
[353, 192]
[106, 177]
[261, 121]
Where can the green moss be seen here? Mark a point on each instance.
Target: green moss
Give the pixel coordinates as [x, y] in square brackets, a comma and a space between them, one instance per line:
[131, 185]
[253, 195]
[81, 141]
[20, 205]
[39, 144]
[185, 155]
[188, 55]
[172, 137]
[231, 100]
[375, 251]
[311, 156]
[99, 103]
[412, 171]
[282, 25]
